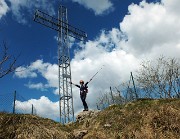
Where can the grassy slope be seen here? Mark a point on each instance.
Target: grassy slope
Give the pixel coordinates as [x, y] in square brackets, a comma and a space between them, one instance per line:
[148, 119]
[21, 126]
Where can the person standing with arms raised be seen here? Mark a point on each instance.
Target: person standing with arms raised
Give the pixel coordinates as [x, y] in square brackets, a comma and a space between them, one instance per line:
[83, 93]
[84, 90]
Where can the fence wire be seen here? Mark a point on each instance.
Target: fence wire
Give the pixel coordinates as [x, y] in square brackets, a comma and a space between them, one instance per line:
[121, 94]
[16, 103]
[131, 90]
[6, 102]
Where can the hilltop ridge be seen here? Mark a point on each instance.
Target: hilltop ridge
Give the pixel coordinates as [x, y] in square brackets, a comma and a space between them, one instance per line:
[143, 118]
[26, 126]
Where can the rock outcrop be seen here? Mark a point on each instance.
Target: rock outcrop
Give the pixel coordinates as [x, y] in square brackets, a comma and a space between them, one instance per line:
[86, 115]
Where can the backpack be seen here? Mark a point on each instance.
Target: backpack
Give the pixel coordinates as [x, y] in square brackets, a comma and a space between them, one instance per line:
[86, 89]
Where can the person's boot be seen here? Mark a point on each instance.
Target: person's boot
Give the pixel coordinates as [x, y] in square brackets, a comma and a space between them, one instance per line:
[85, 109]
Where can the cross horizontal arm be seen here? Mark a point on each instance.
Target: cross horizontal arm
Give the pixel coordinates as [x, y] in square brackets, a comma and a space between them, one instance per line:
[55, 24]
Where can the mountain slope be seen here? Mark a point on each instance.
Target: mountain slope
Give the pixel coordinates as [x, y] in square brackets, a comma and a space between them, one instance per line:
[140, 119]
[20, 126]
[143, 118]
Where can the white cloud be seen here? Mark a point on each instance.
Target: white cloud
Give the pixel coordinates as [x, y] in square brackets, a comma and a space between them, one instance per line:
[71, 40]
[172, 6]
[46, 70]
[150, 25]
[19, 7]
[3, 8]
[43, 107]
[25, 72]
[38, 86]
[99, 7]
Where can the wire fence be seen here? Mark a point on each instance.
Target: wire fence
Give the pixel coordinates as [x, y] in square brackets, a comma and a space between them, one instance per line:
[12, 103]
[121, 94]
[131, 91]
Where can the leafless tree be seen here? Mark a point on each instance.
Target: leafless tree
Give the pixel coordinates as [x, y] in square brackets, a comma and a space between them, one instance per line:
[160, 78]
[109, 98]
[7, 61]
[103, 101]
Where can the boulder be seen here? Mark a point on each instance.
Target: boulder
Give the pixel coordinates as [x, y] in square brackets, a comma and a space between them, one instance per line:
[86, 115]
[79, 134]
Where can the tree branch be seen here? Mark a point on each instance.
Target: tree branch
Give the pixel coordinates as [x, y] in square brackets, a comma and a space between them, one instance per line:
[7, 63]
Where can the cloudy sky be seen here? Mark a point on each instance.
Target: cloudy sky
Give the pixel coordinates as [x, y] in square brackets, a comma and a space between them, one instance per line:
[121, 34]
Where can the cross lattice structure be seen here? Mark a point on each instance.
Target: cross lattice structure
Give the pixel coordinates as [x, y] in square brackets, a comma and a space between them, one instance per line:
[64, 30]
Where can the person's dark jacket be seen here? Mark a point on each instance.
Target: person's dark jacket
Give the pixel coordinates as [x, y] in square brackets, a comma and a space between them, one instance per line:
[83, 88]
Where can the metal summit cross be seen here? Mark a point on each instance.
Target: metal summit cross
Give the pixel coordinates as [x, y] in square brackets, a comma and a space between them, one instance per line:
[64, 31]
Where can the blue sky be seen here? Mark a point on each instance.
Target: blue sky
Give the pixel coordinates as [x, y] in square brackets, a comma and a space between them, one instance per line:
[121, 33]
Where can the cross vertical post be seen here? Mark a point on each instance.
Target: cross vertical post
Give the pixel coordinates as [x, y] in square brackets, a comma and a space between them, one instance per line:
[65, 88]
[65, 30]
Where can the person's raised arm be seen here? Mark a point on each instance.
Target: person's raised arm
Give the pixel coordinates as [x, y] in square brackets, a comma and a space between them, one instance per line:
[86, 83]
[74, 84]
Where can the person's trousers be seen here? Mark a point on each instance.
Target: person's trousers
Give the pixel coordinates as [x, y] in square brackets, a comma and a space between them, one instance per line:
[83, 98]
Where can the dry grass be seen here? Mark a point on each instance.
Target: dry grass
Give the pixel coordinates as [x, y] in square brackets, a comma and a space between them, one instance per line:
[29, 127]
[150, 119]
